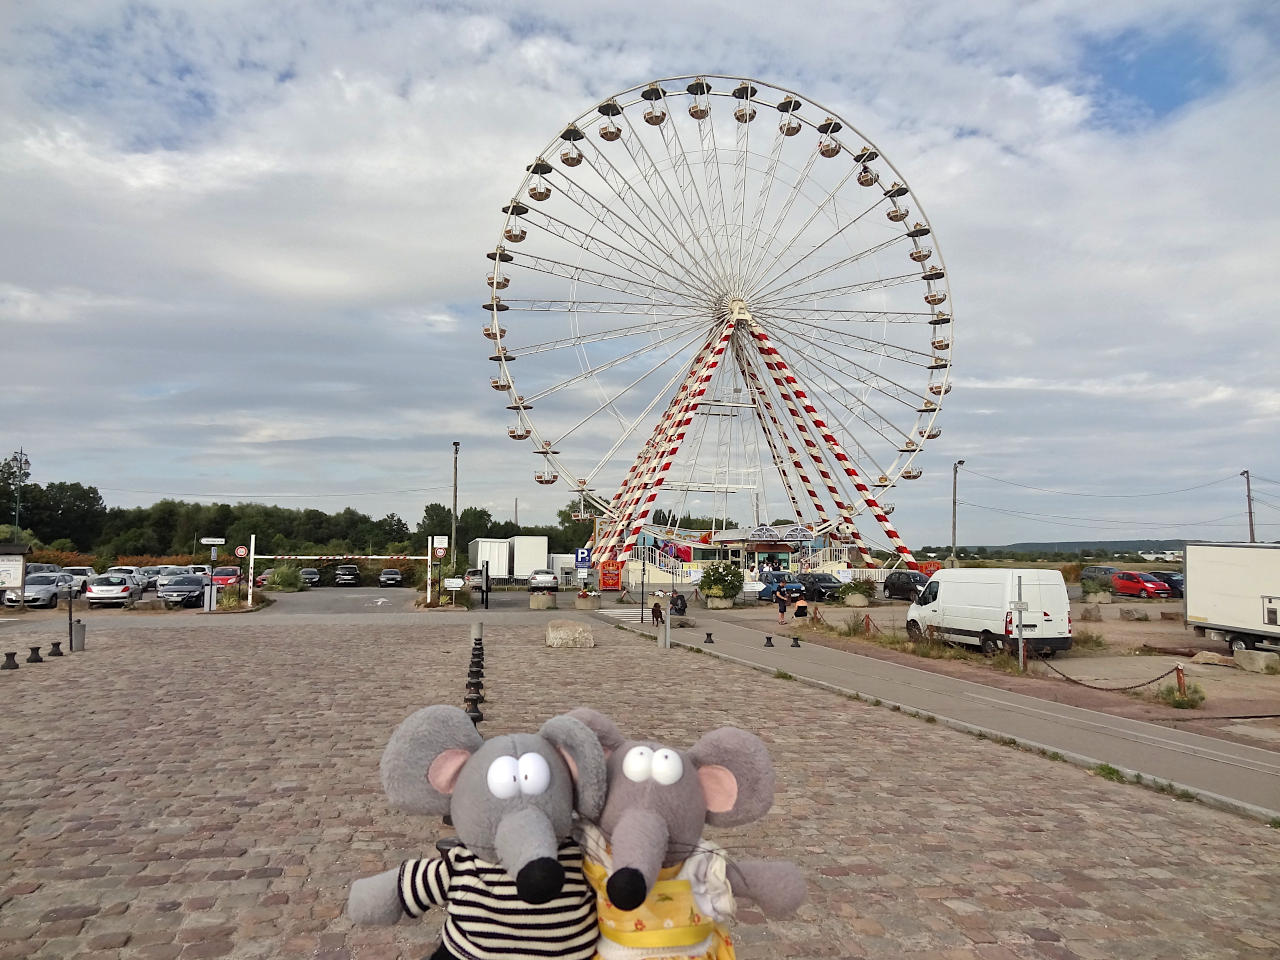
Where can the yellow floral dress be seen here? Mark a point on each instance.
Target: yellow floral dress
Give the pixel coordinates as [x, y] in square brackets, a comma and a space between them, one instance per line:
[683, 918]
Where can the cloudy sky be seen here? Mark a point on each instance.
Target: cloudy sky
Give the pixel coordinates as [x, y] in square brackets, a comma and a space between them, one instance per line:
[243, 242]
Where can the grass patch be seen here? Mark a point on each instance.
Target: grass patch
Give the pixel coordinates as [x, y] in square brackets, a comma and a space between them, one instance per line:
[1107, 772]
[1170, 696]
[1274, 823]
[778, 674]
[1272, 669]
[1086, 639]
[930, 719]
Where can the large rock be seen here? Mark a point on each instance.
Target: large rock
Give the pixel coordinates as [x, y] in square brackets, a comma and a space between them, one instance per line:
[1128, 613]
[856, 600]
[683, 622]
[719, 603]
[1170, 615]
[1257, 661]
[1091, 613]
[542, 601]
[569, 633]
[1217, 659]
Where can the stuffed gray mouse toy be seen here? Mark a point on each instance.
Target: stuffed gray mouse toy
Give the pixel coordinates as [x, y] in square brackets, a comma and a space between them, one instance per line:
[514, 887]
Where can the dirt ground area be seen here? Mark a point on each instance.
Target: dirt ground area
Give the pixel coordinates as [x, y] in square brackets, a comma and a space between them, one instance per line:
[1239, 706]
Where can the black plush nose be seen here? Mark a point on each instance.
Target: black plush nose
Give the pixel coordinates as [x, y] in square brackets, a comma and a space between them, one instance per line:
[540, 880]
[626, 888]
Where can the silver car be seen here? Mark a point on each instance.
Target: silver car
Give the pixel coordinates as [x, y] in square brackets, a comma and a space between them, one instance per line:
[543, 580]
[81, 575]
[42, 590]
[135, 574]
[166, 575]
[117, 589]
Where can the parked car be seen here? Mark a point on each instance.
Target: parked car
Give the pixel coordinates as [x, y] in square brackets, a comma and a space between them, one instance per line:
[1174, 580]
[820, 587]
[226, 576]
[1131, 584]
[41, 590]
[43, 568]
[116, 589]
[203, 568]
[186, 590]
[543, 580]
[1102, 573]
[151, 573]
[975, 607]
[310, 576]
[904, 585]
[391, 577]
[261, 579]
[473, 578]
[167, 574]
[775, 580]
[347, 575]
[135, 574]
[81, 575]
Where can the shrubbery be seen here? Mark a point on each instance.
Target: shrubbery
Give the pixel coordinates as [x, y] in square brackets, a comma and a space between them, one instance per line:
[865, 587]
[287, 579]
[1095, 586]
[721, 579]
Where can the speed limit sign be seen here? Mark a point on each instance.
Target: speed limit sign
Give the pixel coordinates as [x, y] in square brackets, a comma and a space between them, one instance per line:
[242, 551]
[440, 552]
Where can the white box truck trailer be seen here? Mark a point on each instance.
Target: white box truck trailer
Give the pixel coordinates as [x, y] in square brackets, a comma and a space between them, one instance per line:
[975, 607]
[496, 552]
[1232, 593]
[527, 555]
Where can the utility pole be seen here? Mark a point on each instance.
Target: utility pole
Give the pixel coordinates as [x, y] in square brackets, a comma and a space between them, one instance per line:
[453, 526]
[1248, 499]
[21, 464]
[955, 471]
[516, 516]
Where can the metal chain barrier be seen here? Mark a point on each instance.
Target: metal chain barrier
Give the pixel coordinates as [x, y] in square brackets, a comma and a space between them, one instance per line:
[1135, 686]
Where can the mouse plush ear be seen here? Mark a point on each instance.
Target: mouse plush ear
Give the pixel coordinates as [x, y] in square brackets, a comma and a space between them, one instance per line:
[424, 757]
[584, 756]
[606, 732]
[736, 775]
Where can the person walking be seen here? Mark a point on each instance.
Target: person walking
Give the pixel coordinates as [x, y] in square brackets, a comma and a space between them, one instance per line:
[782, 598]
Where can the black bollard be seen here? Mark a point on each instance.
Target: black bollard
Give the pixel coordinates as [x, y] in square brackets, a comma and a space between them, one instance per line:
[708, 640]
[795, 641]
[445, 844]
[768, 640]
[475, 673]
[55, 648]
[472, 701]
[35, 656]
[10, 661]
[475, 686]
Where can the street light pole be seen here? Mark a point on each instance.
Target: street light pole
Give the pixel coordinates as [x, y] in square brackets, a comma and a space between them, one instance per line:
[1248, 498]
[21, 464]
[453, 527]
[955, 471]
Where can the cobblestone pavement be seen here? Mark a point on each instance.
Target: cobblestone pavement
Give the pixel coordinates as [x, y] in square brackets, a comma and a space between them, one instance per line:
[196, 792]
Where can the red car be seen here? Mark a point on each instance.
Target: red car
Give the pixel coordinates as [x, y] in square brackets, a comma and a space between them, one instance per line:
[1128, 583]
[226, 576]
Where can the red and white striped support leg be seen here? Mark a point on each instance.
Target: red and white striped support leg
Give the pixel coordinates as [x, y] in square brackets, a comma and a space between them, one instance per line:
[786, 381]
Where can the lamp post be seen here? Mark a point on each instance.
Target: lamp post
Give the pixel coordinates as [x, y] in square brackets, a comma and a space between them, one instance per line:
[1248, 497]
[21, 464]
[453, 525]
[955, 471]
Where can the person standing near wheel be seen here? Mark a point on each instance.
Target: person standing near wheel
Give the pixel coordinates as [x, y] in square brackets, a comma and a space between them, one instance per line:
[783, 600]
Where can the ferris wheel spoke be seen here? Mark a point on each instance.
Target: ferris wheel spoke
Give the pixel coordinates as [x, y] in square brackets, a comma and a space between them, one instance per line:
[585, 240]
[642, 233]
[737, 225]
[764, 288]
[616, 361]
[607, 307]
[699, 270]
[602, 280]
[578, 340]
[777, 294]
[669, 199]
[784, 211]
[879, 348]
[883, 385]
[762, 198]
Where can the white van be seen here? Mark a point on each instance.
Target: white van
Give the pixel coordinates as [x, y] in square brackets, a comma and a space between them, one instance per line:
[975, 607]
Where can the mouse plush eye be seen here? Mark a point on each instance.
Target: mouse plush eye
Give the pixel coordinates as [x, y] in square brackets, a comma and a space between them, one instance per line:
[535, 774]
[638, 764]
[667, 766]
[504, 778]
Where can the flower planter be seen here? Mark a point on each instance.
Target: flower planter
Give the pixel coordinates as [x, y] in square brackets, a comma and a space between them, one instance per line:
[1098, 598]
[586, 603]
[719, 603]
[856, 600]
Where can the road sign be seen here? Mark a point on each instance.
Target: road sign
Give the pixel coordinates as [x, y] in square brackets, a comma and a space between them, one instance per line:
[440, 552]
[582, 558]
[1022, 605]
[453, 583]
[213, 541]
[440, 543]
[242, 551]
[213, 554]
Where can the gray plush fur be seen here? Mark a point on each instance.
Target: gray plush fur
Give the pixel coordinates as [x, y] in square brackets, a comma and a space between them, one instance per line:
[650, 825]
[513, 832]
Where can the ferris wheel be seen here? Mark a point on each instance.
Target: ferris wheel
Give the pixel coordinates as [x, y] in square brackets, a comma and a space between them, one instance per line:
[711, 296]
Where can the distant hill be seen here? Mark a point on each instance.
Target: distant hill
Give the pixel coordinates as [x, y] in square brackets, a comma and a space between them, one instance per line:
[1097, 546]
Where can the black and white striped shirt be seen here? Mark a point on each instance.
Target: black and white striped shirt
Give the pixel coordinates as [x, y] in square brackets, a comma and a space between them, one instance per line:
[485, 917]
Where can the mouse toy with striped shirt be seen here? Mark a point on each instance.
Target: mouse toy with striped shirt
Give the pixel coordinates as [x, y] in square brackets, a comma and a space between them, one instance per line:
[514, 886]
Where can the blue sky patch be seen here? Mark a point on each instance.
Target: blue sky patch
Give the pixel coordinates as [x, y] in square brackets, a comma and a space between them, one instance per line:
[1151, 76]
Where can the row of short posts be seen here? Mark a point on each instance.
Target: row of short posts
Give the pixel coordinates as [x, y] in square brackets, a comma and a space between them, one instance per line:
[475, 675]
[75, 641]
[768, 640]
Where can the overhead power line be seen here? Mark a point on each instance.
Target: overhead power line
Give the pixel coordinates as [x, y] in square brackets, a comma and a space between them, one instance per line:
[1104, 521]
[1110, 496]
